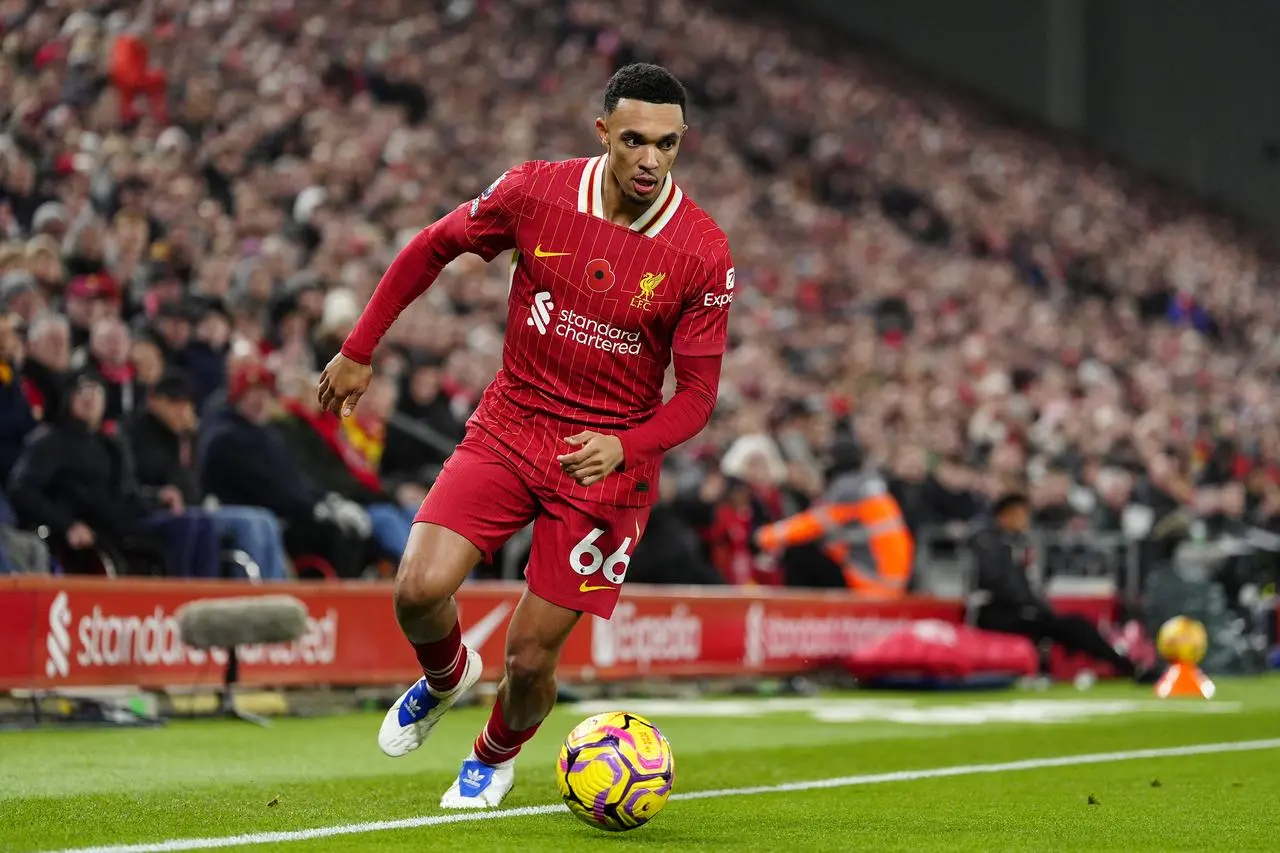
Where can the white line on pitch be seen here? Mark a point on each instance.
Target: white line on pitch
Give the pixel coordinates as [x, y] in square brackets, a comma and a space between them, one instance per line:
[251, 838]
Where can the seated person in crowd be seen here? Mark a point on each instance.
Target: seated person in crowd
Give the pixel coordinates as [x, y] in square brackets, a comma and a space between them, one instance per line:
[16, 420]
[343, 457]
[245, 461]
[425, 426]
[1000, 553]
[669, 552]
[46, 364]
[78, 481]
[162, 438]
[21, 552]
[107, 355]
[753, 495]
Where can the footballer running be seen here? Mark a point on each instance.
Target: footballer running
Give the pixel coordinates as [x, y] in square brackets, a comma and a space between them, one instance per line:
[615, 274]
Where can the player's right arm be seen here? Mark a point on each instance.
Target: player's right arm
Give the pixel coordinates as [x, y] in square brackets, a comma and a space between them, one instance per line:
[697, 351]
[485, 226]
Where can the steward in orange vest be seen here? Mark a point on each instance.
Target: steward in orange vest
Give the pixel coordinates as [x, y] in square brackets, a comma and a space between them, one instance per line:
[857, 524]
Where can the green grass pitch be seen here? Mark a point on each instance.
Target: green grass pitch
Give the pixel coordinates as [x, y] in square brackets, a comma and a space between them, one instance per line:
[229, 781]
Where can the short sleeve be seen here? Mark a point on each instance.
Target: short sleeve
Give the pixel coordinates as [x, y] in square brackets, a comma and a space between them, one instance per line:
[490, 219]
[704, 318]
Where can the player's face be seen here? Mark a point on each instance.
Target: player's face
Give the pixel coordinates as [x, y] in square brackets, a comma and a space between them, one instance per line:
[642, 140]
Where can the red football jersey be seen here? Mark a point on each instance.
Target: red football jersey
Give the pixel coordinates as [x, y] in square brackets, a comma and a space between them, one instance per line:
[595, 311]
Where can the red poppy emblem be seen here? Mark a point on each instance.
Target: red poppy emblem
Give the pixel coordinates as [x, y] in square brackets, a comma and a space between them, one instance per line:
[599, 275]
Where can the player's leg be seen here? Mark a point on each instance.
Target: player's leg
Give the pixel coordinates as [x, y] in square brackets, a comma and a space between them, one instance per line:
[526, 695]
[527, 692]
[577, 563]
[474, 506]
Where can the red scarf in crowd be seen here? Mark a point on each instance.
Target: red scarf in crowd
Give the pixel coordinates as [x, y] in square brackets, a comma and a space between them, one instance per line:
[329, 428]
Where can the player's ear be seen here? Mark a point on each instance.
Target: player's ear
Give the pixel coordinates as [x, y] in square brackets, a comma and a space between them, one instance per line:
[602, 130]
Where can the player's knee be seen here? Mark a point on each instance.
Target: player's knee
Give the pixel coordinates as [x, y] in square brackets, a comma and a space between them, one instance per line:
[420, 587]
[529, 665]
[435, 563]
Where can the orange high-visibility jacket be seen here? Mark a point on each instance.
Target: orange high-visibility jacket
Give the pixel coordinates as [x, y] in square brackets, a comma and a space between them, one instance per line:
[861, 528]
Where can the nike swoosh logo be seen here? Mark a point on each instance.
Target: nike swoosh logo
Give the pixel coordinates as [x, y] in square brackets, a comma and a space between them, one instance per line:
[585, 588]
[478, 634]
[538, 253]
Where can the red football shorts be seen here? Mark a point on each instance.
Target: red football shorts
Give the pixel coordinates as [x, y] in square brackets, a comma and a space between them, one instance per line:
[580, 549]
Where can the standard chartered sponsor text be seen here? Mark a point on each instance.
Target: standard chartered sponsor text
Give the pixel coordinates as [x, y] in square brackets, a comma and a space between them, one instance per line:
[596, 334]
[154, 640]
[816, 637]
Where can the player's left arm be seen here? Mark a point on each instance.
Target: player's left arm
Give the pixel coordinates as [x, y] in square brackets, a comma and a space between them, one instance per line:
[697, 353]
[485, 226]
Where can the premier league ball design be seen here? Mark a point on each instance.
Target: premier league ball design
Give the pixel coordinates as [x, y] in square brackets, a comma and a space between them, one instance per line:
[615, 771]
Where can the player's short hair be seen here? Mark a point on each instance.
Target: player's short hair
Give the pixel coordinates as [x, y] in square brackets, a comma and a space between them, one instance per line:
[642, 81]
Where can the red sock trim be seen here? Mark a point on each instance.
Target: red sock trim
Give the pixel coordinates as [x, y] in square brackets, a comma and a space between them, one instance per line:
[499, 743]
[443, 661]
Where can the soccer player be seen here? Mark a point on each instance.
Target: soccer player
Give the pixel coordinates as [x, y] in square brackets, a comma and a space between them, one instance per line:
[615, 274]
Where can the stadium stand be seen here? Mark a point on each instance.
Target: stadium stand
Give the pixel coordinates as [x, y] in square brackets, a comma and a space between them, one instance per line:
[982, 309]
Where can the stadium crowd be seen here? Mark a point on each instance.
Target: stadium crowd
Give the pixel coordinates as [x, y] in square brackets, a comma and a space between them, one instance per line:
[196, 198]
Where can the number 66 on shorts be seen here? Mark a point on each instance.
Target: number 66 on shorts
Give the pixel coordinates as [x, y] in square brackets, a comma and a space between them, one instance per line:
[581, 553]
[581, 549]
[587, 559]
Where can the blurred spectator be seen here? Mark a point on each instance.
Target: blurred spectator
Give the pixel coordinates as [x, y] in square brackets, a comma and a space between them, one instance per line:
[20, 295]
[172, 332]
[20, 552]
[754, 496]
[1051, 502]
[107, 355]
[669, 552]
[949, 493]
[1010, 605]
[423, 429]
[45, 263]
[78, 481]
[244, 461]
[90, 298]
[148, 362]
[134, 76]
[343, 456]
[46, 365]
[207, 355]
[162, 437]
[16, 420]
[86, 263]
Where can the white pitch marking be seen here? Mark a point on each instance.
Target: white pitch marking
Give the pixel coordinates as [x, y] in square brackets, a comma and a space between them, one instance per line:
[251, 838]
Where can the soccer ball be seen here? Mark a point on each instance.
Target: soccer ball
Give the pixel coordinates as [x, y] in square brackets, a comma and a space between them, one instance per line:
[615, 771]
[1182, 640]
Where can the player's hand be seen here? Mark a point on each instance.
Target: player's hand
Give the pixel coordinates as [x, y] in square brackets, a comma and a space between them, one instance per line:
[342, 384]
[598, 457]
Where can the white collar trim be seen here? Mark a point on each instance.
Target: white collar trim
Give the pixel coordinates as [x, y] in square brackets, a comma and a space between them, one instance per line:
[651, 222]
